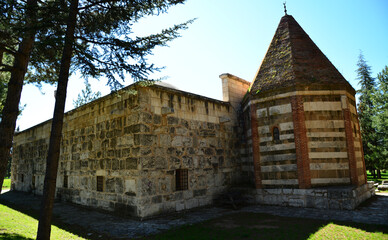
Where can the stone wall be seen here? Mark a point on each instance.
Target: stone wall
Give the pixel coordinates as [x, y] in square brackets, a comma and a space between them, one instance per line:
[346, 197]
[29, 159]
[246, 153]
[121, 152]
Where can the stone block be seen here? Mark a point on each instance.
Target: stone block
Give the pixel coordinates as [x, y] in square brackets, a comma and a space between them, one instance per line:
[131, 163]
[150, 210]
[145, 117]
[187, 162]
[160, 162]
[296, 202]
[156, 199]
[181, 131]
[334, 204]
[174, 162]
[224, 119]
[199, 192]
[204, 202]
[178, 195]
[177, 141]
[300, 191]
[130, 186]
[145, 139]
[287, 191]
[125, 141]
[187, 194]
[168, 207]
[334, 193]
[172, 120]
[191, 203]
[179, 206]
[167, 110]
[207, 133]
[136, 128]
[103, 204]
[276, 191]
[348, 204]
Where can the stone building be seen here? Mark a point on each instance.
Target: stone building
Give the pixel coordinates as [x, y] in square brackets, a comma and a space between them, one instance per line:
[291, 137]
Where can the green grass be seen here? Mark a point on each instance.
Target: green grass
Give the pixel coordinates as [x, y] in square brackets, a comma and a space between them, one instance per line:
[384, 176]
[264, 226]
[17, 225]
[335, 231]
[6, 183]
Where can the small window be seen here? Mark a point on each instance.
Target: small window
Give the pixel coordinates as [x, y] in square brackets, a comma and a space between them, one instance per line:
[33, 182]
[100, 183]
[65, 181]
[22, 178]
[275, 134]
[181, 178]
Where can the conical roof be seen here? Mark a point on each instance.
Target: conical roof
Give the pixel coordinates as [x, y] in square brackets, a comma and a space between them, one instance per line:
[293, 59]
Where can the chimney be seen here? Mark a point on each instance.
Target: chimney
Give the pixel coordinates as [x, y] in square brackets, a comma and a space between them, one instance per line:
[233, 89]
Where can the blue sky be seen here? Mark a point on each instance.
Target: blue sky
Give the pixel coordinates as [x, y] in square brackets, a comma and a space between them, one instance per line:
[233, 36]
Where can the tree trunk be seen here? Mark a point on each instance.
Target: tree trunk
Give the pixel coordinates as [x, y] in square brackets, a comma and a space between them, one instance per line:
[372, 171]
[15, 85]
[44, 227]
[378, 173]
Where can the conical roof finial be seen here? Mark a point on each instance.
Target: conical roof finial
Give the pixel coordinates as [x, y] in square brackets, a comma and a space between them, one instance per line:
[285, 9]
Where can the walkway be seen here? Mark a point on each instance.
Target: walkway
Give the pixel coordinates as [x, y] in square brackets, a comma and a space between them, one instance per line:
[374, 211]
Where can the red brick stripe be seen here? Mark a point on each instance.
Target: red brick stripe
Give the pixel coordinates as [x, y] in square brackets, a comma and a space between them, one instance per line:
[350, 147]
[255, 147]
[302, 154]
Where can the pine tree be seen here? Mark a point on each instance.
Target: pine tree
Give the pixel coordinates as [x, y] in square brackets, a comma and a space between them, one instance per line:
[86, 96]
[4, 78]
[380, 120]
[17, 70]
[366, 111]
[24, 27]
[98, 36]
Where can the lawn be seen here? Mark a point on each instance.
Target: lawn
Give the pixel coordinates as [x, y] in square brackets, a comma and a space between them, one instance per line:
[384, 176]
[6, 183]
[17, 225]
[264, 226]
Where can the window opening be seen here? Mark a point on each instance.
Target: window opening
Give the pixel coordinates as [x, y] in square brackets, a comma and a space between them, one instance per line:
[275, 134]
[65, 181]
[33, 182]
[100, 183]
[181, 177]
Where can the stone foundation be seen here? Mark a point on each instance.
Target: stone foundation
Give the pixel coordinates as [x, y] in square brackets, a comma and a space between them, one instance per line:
[341, 197]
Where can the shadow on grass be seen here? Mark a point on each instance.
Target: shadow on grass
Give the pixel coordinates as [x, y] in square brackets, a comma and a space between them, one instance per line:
[260, 226]
[240, 225]
[34, 213]
[13, 236]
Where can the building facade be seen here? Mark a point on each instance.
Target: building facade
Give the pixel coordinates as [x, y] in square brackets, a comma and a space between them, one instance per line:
[291, 137]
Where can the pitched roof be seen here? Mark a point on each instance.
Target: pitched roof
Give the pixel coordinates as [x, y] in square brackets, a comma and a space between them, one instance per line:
[293, 59]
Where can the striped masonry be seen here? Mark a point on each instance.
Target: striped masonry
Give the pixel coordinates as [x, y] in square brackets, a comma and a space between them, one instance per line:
[277, 157]
[326, 140]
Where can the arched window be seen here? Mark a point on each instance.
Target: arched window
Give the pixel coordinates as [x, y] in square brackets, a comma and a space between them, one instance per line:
[275, 133]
